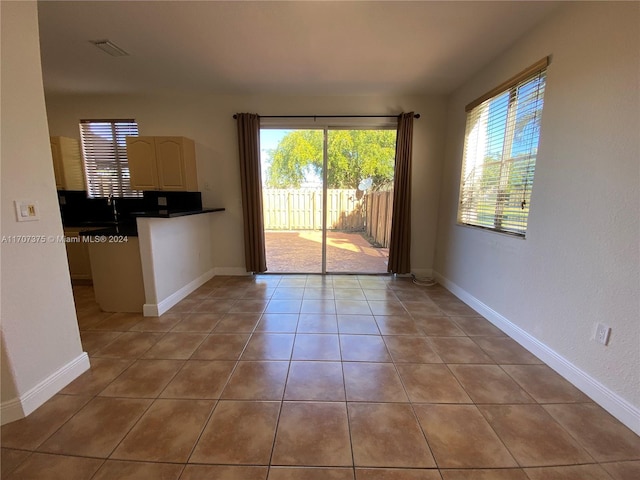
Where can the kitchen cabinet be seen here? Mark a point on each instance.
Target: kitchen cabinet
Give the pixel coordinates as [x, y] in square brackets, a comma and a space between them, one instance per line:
[67, 163]
[162, 163]
[77, 255]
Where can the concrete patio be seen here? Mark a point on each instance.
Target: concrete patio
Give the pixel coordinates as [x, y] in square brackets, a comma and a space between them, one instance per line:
[301, 252]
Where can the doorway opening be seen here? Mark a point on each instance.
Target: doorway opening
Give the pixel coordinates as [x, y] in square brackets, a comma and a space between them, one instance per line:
[327, 198]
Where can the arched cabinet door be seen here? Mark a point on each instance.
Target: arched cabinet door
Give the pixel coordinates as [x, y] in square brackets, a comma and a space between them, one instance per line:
[143, 170]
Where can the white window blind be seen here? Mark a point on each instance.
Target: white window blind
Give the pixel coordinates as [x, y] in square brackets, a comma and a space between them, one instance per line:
[500, 149]
[105, 157]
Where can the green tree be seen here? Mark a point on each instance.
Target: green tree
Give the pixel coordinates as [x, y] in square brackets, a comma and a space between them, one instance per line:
[352, 156]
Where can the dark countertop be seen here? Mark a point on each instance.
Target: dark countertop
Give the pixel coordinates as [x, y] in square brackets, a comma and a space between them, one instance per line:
[173, 213]
[129, 228]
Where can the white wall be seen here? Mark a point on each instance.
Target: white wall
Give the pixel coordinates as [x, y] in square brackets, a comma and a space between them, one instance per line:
[176, 258]
[579, 263]
[208, 120]
[40, 340]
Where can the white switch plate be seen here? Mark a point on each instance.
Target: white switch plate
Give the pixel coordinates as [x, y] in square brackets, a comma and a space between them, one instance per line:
[27, 210]
[602, 333]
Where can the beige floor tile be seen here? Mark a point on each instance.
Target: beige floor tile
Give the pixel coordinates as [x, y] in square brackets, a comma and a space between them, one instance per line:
[436, 326]
[506, 351]
[477, 327]
[278, 323]
[43, 466]
[186, 306]
[484, 474]
[249, 305]
[489, 384]
[317, 323]
[431, 384]
[130, 345]
[288, 293]
[10, 460]
[604, 437]
[397, 474]
[319, 381]
[373, 382]
[322, 291]
[407, 349]
[379, 293]
[459, 350]
[533, 437]
[176, 346]
[143, 379]
[455, 307]
[357, 325]
[387, 435]
[238, 433]
[576, 472]
[269, 346]
[223, 472]
[28, 433]
[257, 381]
[97, 429]
[397, 325]
[623, 470]
[167, 432]
[102, 372]
[363, 348]
[284, 306]
[163, 323]
[351, 292]
[199, 379]
[545, 385]
[310, 473]
[387, 307]
[119, 322]
[93, 341]
[324, 306]
[316, 346]
[198, 322]
[115, 469]
[422, 307]
[221, 347]
[217, 305]
[237, 323]
[352, 307]
[313, 434]
[460, 437]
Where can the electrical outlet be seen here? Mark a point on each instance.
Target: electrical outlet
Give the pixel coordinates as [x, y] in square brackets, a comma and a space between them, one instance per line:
[27, 210]
[602, 333]
[162, 201]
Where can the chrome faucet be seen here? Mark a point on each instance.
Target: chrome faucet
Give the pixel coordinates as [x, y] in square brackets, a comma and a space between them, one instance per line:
[111, 201]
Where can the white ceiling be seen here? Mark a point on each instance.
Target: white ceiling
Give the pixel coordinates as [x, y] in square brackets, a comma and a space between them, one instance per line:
[299, 47]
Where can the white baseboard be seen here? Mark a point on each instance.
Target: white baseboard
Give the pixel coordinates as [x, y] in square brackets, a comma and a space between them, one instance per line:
[230, 271]
[617, 406]
[22, 406]
[157, 309]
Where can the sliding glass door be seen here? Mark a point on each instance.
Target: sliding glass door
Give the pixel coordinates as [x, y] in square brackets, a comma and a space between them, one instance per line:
[327, 199]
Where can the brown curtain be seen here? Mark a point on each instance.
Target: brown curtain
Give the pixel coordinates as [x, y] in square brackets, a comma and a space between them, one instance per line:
[400, 242]
[249, 149]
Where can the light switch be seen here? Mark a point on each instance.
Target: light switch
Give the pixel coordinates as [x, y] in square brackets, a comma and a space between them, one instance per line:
[27, 210]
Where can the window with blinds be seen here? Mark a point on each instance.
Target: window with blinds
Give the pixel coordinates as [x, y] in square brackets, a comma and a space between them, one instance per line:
[500, 149]
[104, 148]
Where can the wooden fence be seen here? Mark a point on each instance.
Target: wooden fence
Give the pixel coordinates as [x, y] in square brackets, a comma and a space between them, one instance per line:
[301, 209]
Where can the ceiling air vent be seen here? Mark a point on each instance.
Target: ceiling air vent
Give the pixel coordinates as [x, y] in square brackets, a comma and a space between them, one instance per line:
[110, 48]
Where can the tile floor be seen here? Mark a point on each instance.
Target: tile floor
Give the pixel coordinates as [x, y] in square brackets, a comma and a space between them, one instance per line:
[313, 378]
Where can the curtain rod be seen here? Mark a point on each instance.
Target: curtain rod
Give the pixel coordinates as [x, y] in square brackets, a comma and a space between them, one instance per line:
[416, 115]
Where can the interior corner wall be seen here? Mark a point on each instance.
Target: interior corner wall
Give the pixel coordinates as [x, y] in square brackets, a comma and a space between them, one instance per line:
[208, 120]
[40, 338]
[579, 264]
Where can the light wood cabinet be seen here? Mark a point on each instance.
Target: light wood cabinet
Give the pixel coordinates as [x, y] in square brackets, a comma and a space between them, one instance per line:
[162, 163]
[67, 163]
